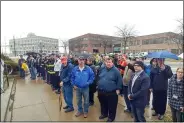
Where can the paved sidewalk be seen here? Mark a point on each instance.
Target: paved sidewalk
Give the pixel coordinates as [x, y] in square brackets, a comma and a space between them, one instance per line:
[35, 101]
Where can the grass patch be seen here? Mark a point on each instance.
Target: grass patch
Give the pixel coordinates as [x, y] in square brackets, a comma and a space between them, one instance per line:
[173, 60]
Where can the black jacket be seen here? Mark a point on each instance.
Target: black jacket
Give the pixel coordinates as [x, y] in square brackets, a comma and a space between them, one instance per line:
[159, 78]
[92, 87]
[139, 91]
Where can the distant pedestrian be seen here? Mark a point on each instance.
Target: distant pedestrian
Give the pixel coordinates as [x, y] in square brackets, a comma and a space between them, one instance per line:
[20, 61]
[33, 68]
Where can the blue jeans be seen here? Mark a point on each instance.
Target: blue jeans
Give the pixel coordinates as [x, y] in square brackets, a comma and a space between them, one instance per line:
[33, 72]
[42, 70]
[68, 95]
[22, 73]
[82, 92]
[127, 101]
[138, 113]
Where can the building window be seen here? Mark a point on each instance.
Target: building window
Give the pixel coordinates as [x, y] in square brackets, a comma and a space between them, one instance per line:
[85, 39]
[117, 45]
[175, 51]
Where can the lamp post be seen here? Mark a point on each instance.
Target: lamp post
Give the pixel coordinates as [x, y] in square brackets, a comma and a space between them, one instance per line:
[41, 46]
[113, 48]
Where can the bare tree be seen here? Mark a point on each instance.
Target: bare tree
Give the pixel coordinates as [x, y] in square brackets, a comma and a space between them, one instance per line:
[65, 44]
[180, 26]
[104, 44]
[178, 38]
[126, 33]
[80, 47]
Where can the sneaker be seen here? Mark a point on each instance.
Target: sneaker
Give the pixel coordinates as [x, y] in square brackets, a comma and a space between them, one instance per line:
[154, 114]
[128, 111]
[85, 115]
[102, 117]
[161, 117]
[57, 92]
[69, 110]
[78, 114]
[91, 104]
[109, 120]
[65, 107]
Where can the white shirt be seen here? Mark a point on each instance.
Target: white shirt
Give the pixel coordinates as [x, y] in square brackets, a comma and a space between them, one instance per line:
[57, 65]
[135, 77]
[81, 68]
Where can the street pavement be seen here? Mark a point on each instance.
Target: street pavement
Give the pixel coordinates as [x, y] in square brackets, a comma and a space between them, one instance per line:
[35, 101]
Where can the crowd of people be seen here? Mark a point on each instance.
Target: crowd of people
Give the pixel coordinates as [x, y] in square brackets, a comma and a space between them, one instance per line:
[110, 77]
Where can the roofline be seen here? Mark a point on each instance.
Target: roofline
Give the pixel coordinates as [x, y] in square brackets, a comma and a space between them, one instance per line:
[120, 37]
[155, 34]
[35, 37]
[94, 34]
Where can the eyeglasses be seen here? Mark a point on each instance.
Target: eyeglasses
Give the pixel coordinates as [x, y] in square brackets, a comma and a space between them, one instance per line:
[180, 72]
[136, 65]
[81, 59]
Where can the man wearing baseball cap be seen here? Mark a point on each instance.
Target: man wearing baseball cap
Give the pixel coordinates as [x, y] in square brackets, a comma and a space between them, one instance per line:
[82, 76]
[65, 74]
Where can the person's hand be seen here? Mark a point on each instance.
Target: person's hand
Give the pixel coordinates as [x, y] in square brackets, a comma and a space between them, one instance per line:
[75, 87]
[117, 92]
[151, 90]
[181, 109]
[61, 84]
[129, 97]
[97, 87]
[162, 66]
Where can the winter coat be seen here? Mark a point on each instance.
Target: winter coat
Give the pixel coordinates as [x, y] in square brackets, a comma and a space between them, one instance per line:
[159, 78]
[82, 79]
[110, 79]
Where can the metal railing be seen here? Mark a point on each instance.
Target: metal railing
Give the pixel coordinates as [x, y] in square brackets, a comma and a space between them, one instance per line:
[7, 71]
[9, 107]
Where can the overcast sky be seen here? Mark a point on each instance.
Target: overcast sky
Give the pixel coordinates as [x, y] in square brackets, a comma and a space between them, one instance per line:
[68, 19]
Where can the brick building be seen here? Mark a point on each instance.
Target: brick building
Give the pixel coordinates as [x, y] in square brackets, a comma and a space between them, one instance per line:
[148, 43]
[154, 42]
[91, 43]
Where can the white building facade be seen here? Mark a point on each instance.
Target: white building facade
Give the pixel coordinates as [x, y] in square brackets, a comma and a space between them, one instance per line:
[33, 43]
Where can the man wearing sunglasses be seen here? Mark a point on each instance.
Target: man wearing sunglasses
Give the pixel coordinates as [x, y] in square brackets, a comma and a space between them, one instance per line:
[82, 76]
[137, 91]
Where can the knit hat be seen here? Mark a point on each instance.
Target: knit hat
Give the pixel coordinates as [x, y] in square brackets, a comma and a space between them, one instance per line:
[140, 63]
[81, 57]
[63, 59]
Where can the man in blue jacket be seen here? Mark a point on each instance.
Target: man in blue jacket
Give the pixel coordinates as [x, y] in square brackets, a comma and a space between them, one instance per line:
[65, 75]
[109, 86]
[137, 91]
[82, 76]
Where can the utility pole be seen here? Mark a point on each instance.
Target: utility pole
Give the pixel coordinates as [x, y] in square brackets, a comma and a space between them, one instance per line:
[14, 46]
[5, 44]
